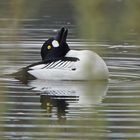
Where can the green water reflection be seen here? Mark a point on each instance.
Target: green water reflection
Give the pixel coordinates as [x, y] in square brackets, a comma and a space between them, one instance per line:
[115, 21]
[26, 113]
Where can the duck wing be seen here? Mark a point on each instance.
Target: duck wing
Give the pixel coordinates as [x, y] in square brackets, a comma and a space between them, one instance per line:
[61, 63]
[58, 63]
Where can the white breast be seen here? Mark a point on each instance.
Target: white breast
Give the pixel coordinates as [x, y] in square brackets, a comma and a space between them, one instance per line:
[89, 67]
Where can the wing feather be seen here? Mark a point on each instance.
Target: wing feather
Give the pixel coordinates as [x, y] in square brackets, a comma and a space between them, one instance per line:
[65, 63]
[59, 65]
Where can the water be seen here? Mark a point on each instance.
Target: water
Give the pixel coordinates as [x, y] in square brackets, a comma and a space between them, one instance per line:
[39, 109]
[74, 110]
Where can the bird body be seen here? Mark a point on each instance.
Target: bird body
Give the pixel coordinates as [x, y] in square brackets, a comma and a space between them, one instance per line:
[86, 66]
[59, 62]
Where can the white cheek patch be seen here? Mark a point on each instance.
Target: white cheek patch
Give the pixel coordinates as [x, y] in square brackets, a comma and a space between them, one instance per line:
[55, 43]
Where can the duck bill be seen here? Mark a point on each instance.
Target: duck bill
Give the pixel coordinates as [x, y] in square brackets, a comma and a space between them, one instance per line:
[62, 35]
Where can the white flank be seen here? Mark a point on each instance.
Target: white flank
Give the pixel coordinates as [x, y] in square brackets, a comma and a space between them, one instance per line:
[89, 67]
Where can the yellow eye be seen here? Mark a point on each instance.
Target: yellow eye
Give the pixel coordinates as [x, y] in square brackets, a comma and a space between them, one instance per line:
[49, 47]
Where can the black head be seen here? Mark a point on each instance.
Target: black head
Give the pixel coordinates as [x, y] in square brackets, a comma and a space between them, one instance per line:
[55, 47]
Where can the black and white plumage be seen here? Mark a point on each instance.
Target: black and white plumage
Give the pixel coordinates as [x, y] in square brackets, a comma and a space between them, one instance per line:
[61, 63]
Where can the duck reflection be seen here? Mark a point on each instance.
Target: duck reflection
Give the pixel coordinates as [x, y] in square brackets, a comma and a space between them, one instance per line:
[57, 96]
[47, 102]
[60, 102]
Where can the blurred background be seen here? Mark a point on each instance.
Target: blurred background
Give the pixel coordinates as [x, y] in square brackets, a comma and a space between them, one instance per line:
[113, 21]
[94, 111]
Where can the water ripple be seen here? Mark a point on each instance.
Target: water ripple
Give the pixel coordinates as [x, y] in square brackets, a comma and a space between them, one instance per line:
[72, 110]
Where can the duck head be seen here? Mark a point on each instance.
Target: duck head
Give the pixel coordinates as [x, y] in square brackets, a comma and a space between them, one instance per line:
[55, 47]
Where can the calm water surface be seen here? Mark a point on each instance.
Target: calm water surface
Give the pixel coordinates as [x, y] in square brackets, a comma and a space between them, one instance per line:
[41, 110]
[74, 110]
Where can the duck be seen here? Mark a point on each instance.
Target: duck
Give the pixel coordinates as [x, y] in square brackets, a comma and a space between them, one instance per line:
[59, 62]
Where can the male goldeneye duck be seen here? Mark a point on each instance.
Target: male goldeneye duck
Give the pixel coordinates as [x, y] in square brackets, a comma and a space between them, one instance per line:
[61, 63]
